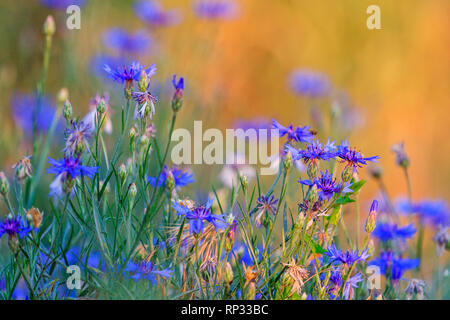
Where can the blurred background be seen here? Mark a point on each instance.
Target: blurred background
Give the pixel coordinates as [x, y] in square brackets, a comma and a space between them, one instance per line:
[237, 67]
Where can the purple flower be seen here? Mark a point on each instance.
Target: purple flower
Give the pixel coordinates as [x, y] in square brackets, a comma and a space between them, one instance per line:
[146, 270]
[393, 266]
[309, 83]
[198, 214]
[181, 178]
[265, 204]
[299, 134]
[327, 185]
[401, 157]
[335, 283]
[121, 40]
[432, 212]
[72, 167]
[152, 13]
[25, 111]
[215, 9]
[145, 104]
[348, 258]
[14, 226]
[313, 152]
[61, 4]
[390, 231]
[77, 137]
[351, 157]
[98, 62]
[129, 73]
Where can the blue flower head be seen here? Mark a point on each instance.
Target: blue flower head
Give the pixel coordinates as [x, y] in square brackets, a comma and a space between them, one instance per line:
[216, 9]
[14, 226]
[299, 134]
[124, 42]
[181, 178]
[72, 167]
[309, 83]
[348, 258]
[351, 157]
[129, 73]
[197, 215]
[152, 13]
[327, 186]
[146, 270]
[314, 152]
[393, 266]
[390, 231]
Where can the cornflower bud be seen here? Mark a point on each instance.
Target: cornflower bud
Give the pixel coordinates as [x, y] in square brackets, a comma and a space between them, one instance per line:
[312, 169]
[244, 182]
[4, 184]
[68, 185]
[132, 191]
[35, 217]
[313, 196]
[287, 163]
[132, 135]
[122, 172]
[371, 221]
[143, 144]
[143, 81]
[49, 26]
[177, 99]
[250, 293]
[67, 110]
[23, 169]
[170, 181]
[101, 107]
[63, 95]
[228, 274]
[402, 158]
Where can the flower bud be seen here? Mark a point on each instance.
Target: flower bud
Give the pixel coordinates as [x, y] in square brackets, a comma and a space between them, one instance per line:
[371, 221]
[122, 172]
[132, 191]
[23, 168]
[35, 217]
[143, 81]
[67, 110]
[4, 184]
[170, 181]
[286, 280]
[313, 196]
[177, 99]
[101, 107]
[312, 170]
[287, 163]
[244, 182]
[228, 273]
[49, 26]
[250, 293]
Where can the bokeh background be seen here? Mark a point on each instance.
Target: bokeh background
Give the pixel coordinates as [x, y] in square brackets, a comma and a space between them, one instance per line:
[397, 78]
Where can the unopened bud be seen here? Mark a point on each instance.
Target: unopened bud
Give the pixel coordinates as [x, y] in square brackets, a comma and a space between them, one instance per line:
[347, 174]
[313, 196]
[122, 172]
[228, 273]
[170, 181]
[250, 293]
[4, 184]
[287, 163]
[23, 168]
[312, 170]
[49, 26]
[371, 221]
[101, 107]
[63, 95]
[143, 81]
[35, 217]
[67, 110]
[132, 191]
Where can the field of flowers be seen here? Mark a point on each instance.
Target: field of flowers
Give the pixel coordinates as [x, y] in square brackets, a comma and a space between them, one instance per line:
[94, 206]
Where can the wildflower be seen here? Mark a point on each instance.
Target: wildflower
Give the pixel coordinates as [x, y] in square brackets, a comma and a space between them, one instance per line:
[67, 110]
[372, 218]
[129, 73]
[390, 231]
[228, 274]
[49, 26]
[231, 233]
[314, 152]
[442, 240]
[432, 212]
[4, 184]
[147, 270]
[35, 216]
[77, 138]
[393, 266]
[299, 134]
[297, 273]
[181, 178]
[132, 191]
[327, 186]
[348, 258]
[72, 167]
[249, 274]
[177, 99]
[415, 288]
[28, 110]
[351, 157]
[124, 42]
[335, 283]
[94, 103]
[145, 104]
[215, 9]
[309, 83]
[14, 227]
[23, 168]
[401, 157]
[152, 13]
[265, 204]
[198, 214]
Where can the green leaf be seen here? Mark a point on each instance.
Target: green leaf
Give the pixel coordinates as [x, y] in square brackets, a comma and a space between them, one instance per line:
[357, 185]
[344, 200]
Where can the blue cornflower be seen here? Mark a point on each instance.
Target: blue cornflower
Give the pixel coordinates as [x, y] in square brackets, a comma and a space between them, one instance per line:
[265, 204]
[152, 13]
[77, 138]
[61, 4]
[181, 178]
[348, 258]
[72, 167]
[121, 40]
[215, 9]
[14, 226]
[351, 157]
[390, 231]
[98, 62]
[335, 283]
[146, 270]
[198, 214]
[309, 83]
[327, 186]
[314, 152]
[434, 212]
[299, 134]
[393, 266]
[129, 73]
[178, 85]
[25, 111]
